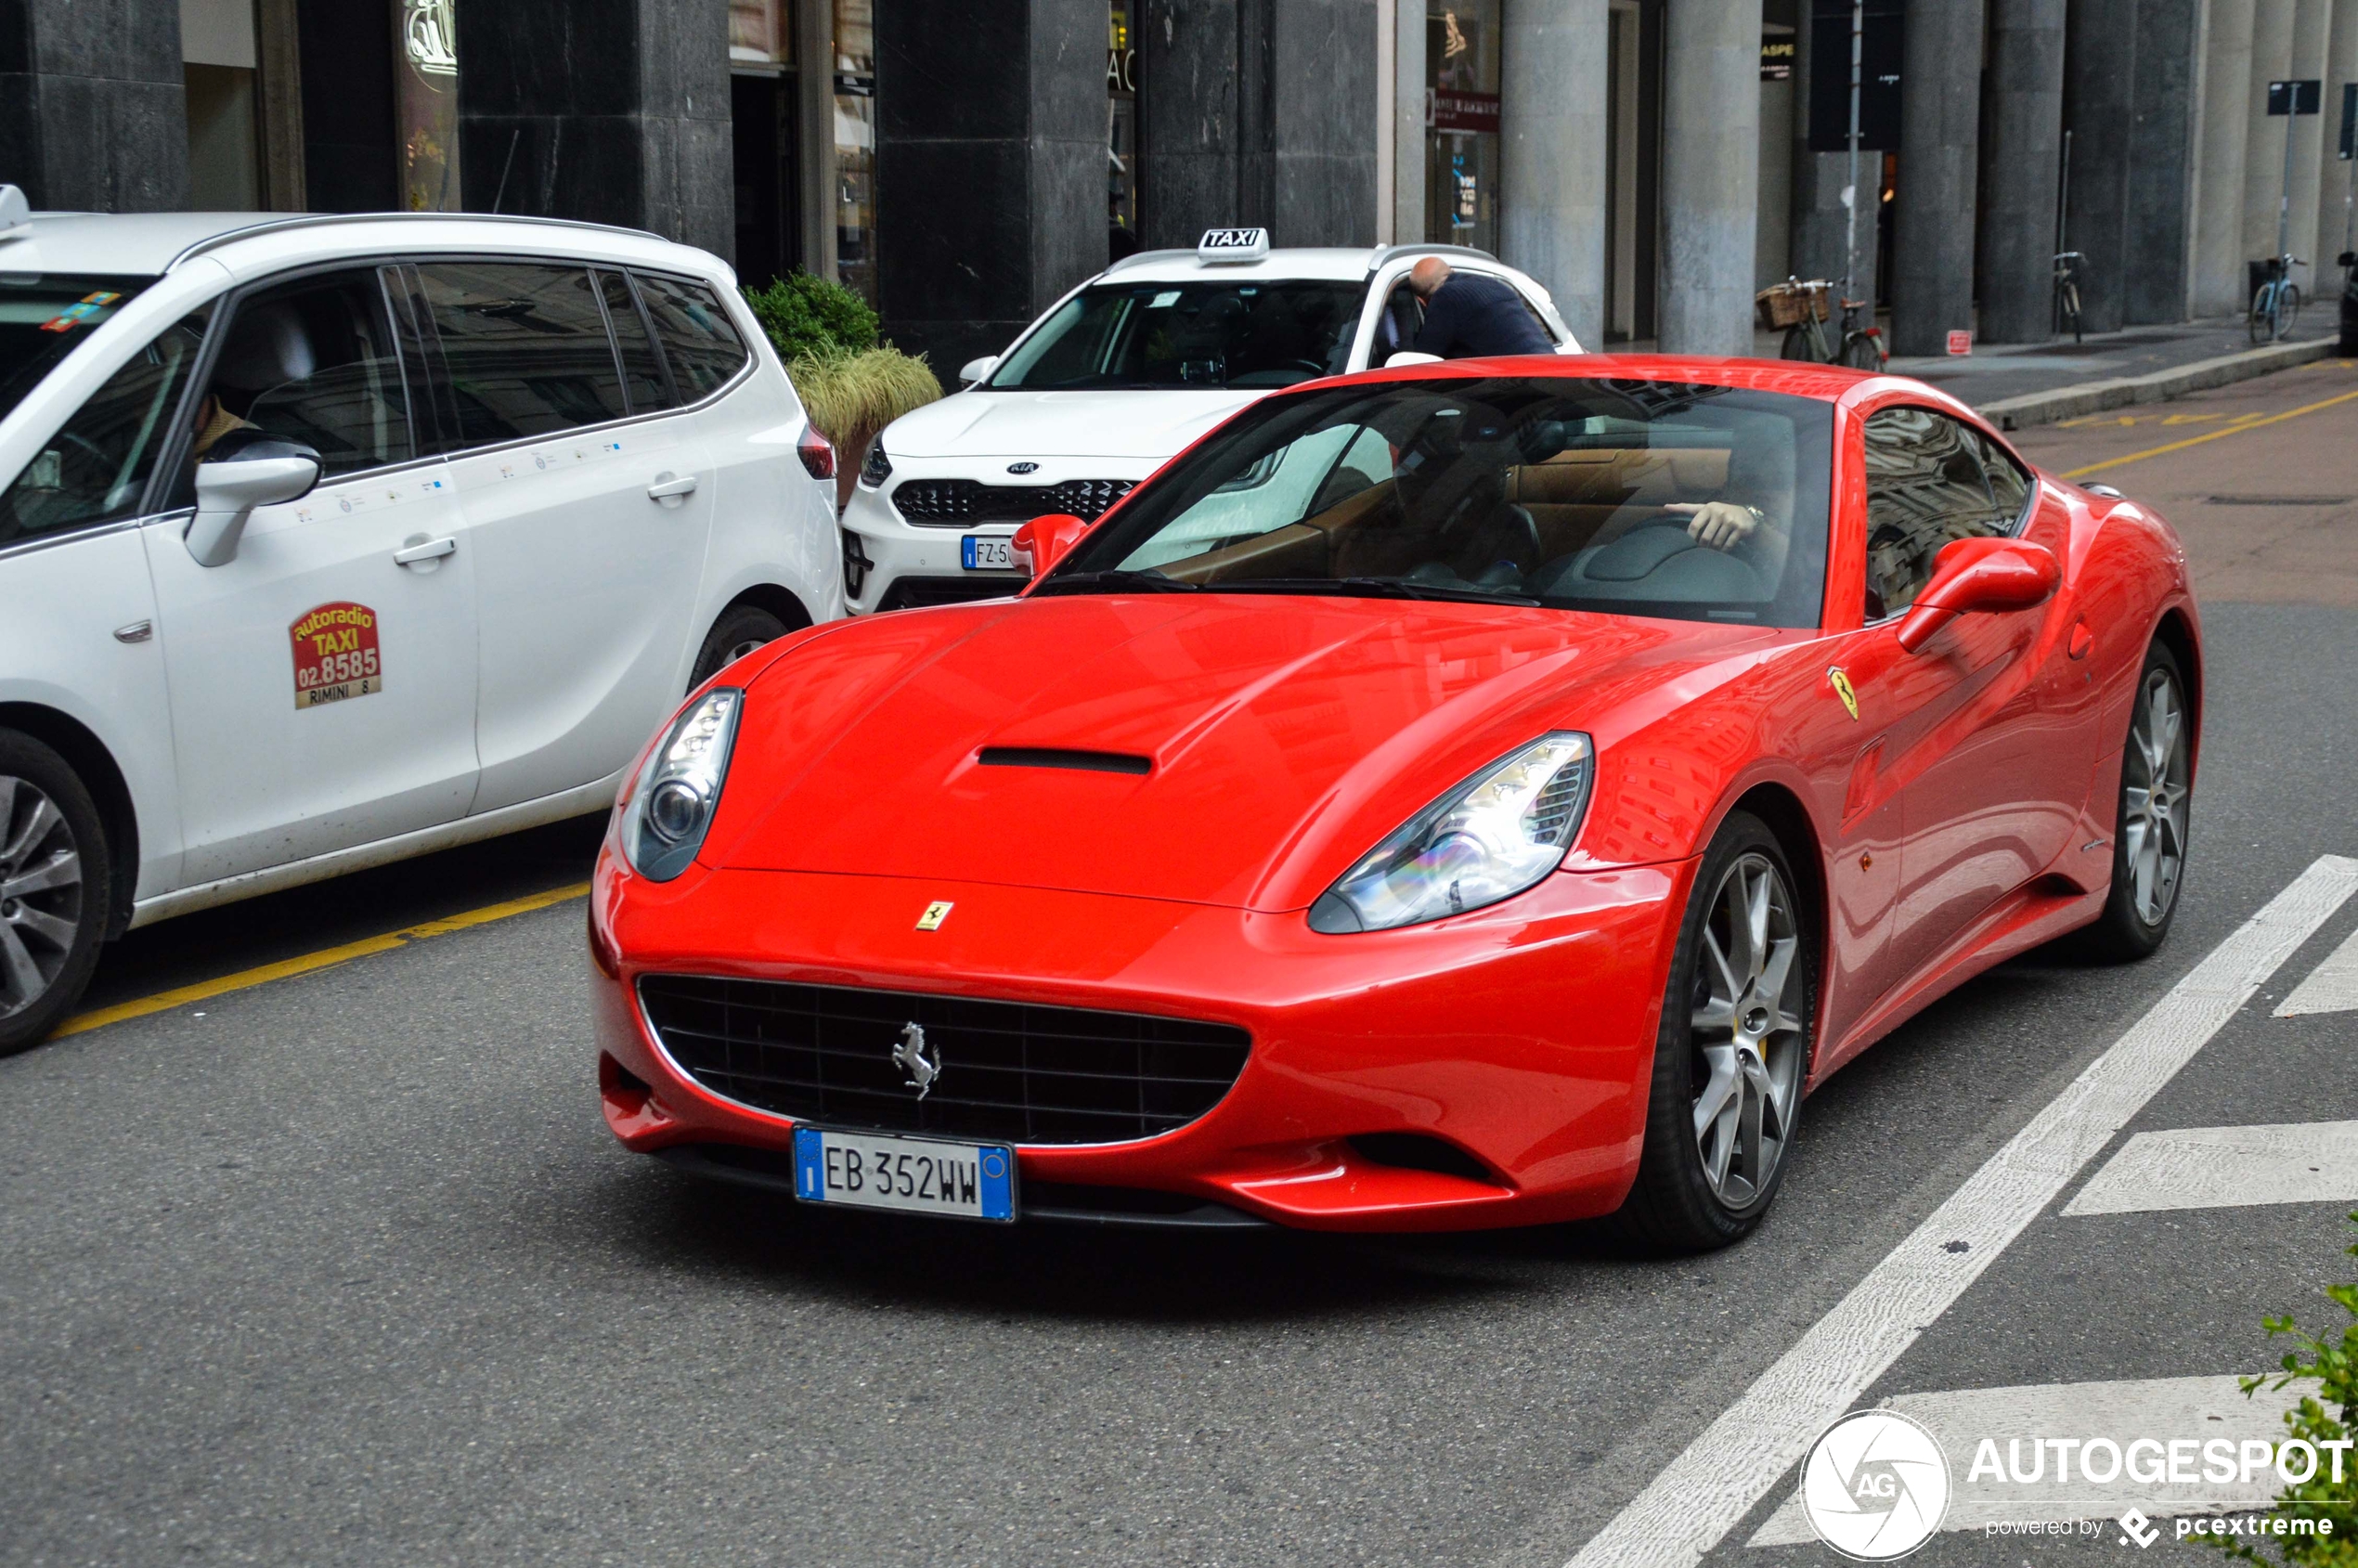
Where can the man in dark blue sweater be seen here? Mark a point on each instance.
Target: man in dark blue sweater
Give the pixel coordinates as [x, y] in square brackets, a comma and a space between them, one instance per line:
[1469, 316]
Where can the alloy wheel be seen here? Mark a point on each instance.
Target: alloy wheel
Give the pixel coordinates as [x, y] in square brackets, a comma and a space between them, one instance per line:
[1749, 1026]
[2155, 796]
[41, 893]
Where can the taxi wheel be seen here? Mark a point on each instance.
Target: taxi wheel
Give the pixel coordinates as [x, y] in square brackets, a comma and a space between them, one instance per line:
[53, 890]
[740, 629]
[1732, 1055]
[2149, 837]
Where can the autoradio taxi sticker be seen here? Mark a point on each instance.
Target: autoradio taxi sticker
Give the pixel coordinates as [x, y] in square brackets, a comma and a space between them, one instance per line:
[335, 655]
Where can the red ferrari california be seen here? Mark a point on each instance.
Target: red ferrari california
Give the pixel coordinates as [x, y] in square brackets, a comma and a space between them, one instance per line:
[1464, 796]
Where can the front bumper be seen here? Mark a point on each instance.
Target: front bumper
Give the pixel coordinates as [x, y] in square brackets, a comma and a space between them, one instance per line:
[1519, 1037]
[911, 565]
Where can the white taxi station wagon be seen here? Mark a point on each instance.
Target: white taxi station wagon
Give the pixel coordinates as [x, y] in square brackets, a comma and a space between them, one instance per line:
[325, 541]
[1120, 375]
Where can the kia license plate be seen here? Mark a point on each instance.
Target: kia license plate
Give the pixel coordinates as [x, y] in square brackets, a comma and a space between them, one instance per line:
[987, 552]
[914, 1176]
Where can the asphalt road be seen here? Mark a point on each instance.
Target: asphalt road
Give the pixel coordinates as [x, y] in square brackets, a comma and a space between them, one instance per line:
[344, 1269]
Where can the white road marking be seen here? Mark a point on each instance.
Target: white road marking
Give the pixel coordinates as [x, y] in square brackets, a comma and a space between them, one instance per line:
[2332, 987]
[2161, 1408]
[1706, 1491]
[2225, 1168]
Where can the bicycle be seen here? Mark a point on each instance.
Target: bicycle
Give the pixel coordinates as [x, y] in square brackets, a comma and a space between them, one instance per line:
[1800, 308]
[2275, 305]
[2067, 292]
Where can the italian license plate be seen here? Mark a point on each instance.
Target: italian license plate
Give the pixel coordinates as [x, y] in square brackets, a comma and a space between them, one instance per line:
[914, 1175]
[987, 552]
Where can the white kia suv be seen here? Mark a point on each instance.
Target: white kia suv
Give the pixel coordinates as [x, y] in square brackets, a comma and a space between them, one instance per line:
[325, 541]
[1120, 375]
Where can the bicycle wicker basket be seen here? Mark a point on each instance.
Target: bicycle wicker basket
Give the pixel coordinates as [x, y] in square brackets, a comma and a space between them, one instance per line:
[1784, 305]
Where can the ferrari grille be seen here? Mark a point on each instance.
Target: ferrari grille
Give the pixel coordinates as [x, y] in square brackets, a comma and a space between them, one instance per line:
[953, 502]
[1006, 1071]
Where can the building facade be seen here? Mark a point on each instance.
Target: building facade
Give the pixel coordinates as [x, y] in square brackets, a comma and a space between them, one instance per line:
[962, 163]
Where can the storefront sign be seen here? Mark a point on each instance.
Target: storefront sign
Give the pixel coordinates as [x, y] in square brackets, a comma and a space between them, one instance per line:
[429, 38]
[1447, 110]
[1776, 57]
[1121, 70]
[1959, 340]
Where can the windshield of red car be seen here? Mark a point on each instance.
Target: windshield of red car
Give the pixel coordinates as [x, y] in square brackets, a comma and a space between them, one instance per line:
[1140, 336]
[46, 317]
[1633, 498]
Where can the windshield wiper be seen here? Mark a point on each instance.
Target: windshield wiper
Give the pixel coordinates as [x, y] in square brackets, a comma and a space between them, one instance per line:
[1112, 582]
[1373, 587]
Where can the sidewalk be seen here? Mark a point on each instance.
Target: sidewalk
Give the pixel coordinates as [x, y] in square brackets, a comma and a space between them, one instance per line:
[1990, 374]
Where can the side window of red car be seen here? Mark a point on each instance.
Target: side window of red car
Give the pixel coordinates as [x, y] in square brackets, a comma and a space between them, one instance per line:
[1925, 487]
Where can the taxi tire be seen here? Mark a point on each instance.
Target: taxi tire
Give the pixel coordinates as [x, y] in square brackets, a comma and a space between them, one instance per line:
[1671, 1208]
[23, 757]
[740, 629]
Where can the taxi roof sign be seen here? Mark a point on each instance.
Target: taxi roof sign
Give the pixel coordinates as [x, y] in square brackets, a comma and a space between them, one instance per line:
[1233, 245]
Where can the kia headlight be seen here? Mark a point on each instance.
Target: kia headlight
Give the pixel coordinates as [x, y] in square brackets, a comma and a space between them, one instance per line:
[663, 825]
[1490, 838]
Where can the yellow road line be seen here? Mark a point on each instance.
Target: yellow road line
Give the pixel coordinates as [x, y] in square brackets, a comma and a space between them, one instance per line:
[163, 1001]
[2210, 435]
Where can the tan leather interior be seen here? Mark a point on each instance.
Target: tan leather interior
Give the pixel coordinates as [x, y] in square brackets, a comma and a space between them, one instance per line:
[1571, 498]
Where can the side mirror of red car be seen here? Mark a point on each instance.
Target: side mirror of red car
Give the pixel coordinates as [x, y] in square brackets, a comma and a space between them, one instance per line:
[1046, 540]
[1979, 575]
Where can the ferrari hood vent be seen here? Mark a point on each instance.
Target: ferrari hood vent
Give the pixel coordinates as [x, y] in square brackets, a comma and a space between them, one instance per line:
[1058, 756]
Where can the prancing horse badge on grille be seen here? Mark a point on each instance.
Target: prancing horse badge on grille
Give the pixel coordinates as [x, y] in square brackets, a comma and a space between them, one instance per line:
[909, 1056]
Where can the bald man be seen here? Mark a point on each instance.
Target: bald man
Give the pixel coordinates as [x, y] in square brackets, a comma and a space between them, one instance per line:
[1469, 317]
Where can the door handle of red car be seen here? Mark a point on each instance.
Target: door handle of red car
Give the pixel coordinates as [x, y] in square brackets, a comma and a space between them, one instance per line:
[1972, 576]
[2081, 640]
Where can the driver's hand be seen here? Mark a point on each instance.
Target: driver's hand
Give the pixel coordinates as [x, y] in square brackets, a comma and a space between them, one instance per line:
[1720, 524]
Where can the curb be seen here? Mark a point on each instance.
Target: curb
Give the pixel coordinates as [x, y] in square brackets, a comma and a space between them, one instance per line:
[2092, 398]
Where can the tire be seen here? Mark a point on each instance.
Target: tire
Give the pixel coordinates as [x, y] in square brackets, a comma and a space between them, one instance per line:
[1861, 352]
[54, 889]
[2148, 846]
[1798, 345]
[2287, 310]
[2263, 314]
[740, 629]
[1678, 1205]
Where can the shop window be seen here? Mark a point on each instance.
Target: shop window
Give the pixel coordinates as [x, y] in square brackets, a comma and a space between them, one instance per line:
[426, 104]
[1461, 122]
[855, 118]
[218, 73]
[1122, 134]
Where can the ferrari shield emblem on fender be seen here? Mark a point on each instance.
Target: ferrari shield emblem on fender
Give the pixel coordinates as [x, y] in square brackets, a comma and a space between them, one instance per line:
[1842, 689]
[936, 912]
[908, 1055]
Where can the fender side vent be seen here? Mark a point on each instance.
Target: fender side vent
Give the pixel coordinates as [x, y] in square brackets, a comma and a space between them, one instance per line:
[1055, 756]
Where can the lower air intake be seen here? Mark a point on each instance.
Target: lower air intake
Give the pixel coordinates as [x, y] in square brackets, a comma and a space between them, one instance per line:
[1007, 1070]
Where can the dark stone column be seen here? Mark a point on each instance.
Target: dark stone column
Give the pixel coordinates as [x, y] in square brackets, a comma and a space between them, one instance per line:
[1259, 112]
[2156, 281]
[93, 115]
[612, 111]
[1939, 158]
[2099, 79]
[991, 167]
[2025, 109]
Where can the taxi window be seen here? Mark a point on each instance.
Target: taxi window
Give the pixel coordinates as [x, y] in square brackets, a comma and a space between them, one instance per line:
[697, 339]
[95, 468]
[643, 377]
[314, 361]
[525, 347]
[44, 317]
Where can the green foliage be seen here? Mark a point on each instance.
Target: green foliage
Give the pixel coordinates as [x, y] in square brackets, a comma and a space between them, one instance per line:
[851, 396]
[2330, 1415]
[806, 315]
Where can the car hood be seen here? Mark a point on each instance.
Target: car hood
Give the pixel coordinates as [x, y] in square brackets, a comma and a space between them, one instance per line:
[1142, 426]
[1280, 737]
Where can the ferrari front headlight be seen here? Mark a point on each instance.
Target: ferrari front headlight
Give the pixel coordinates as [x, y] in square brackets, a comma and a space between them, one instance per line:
[1491, 837]
[671, 804]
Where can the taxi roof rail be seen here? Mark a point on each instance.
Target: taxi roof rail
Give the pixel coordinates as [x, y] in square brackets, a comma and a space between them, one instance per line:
[1384, 254]
[1142, 258]
[315, 220]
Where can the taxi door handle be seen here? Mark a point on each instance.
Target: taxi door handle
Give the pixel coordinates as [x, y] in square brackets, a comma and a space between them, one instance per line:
[432, 549]
[669, 490]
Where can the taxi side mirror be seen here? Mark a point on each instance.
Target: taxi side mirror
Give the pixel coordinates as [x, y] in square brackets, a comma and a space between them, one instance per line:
[1973, 576]
[265, 471]
[1046, 540]
[973, 370]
